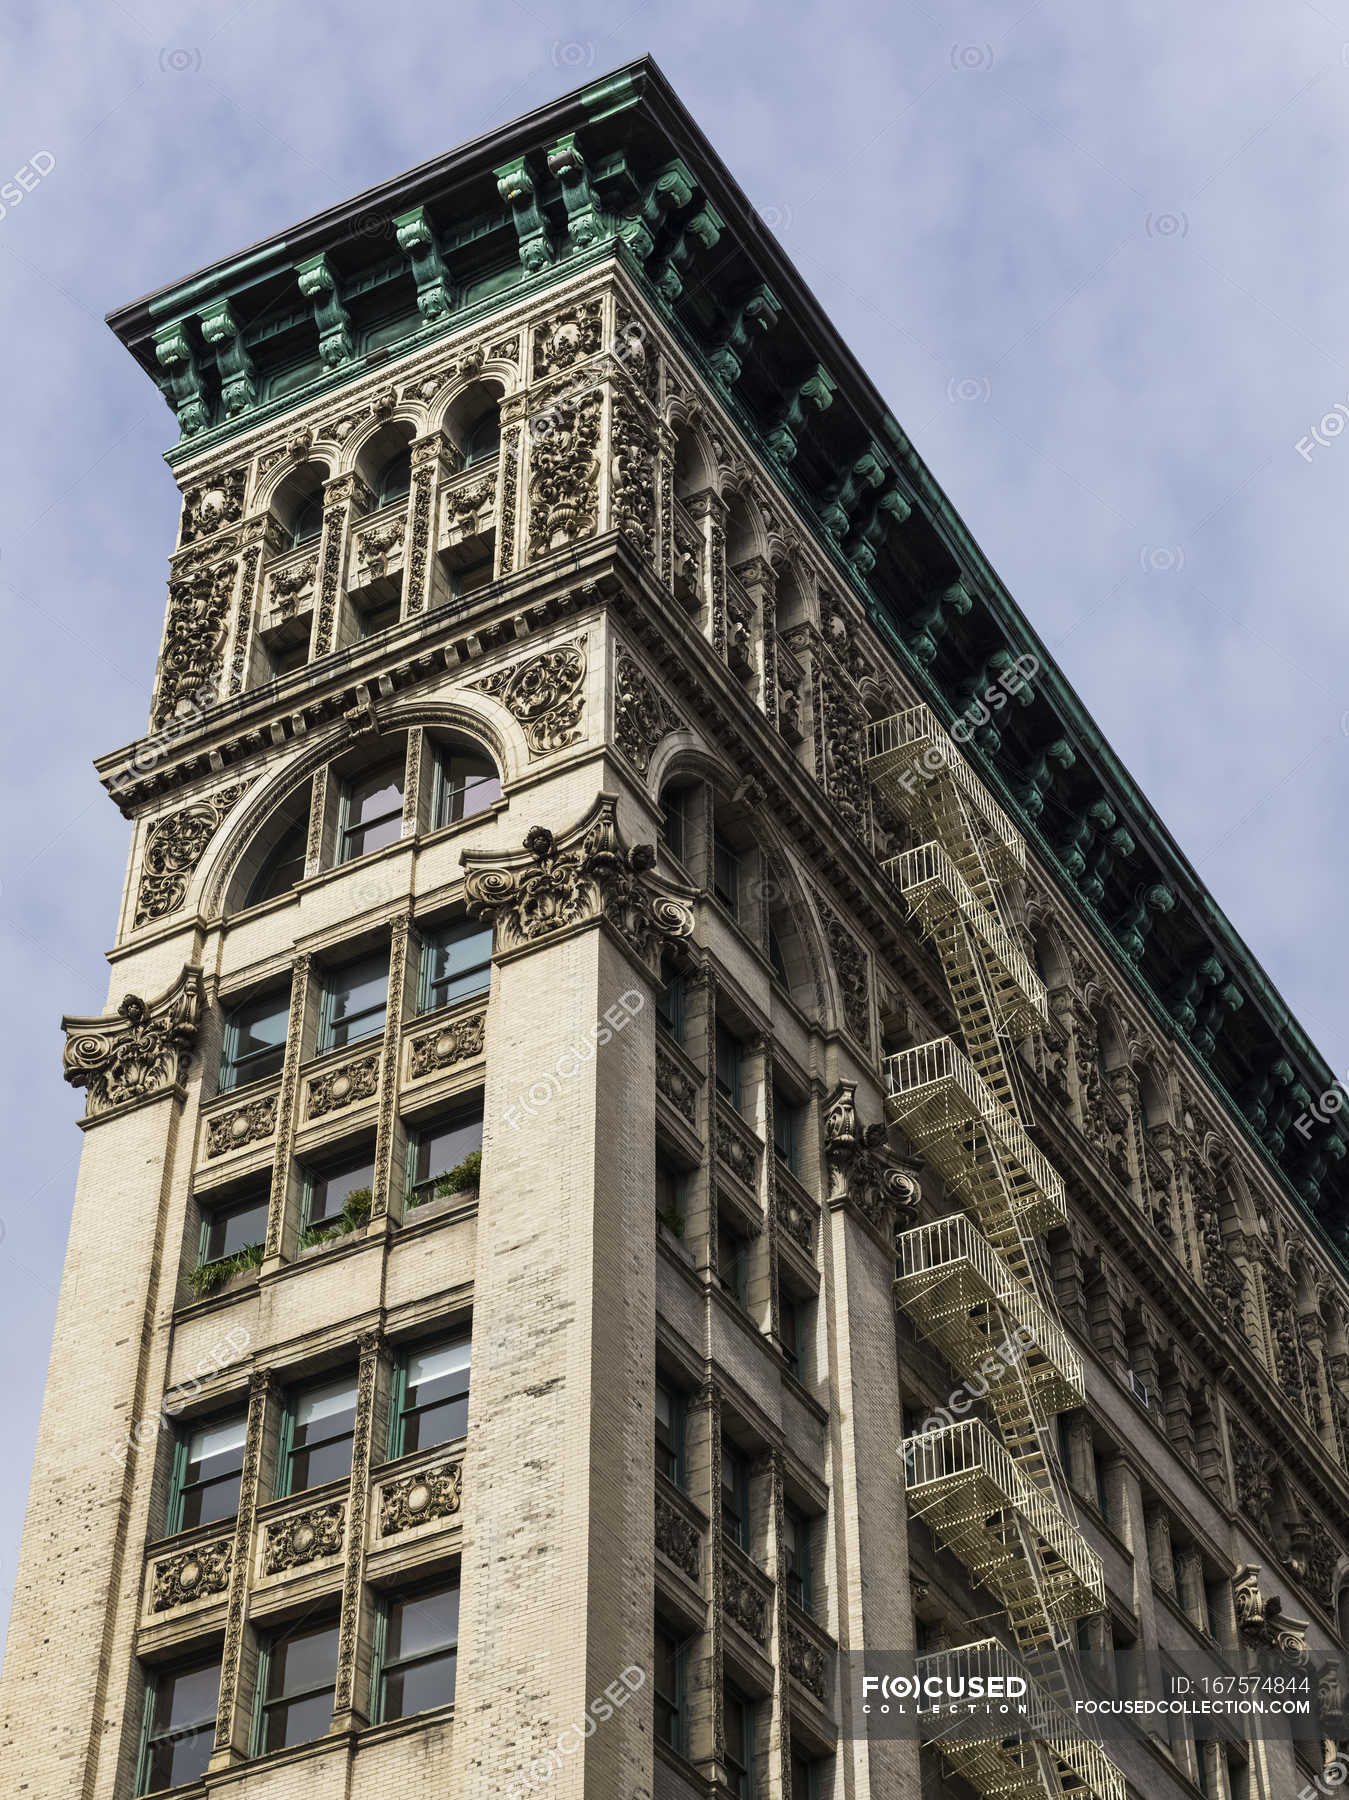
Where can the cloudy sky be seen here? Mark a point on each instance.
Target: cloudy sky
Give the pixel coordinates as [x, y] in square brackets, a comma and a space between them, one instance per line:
[1094, 257]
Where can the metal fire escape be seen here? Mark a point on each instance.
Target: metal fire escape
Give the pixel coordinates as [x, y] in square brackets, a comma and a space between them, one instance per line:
[974, 1283]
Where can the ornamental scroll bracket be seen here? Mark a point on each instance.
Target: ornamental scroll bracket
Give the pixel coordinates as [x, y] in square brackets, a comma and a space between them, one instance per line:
[864, 1171]
[1263, 1626]
[588, 874]
[138, 1053]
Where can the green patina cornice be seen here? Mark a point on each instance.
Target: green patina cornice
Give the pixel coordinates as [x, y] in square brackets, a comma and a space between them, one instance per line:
[621, 167]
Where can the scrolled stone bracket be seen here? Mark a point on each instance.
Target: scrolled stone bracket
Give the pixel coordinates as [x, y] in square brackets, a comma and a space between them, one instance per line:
[864, 1173]
[586, 876]
[138, 1054]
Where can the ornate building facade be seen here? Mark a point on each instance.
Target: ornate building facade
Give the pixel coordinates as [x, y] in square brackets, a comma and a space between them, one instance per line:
[669, 1124]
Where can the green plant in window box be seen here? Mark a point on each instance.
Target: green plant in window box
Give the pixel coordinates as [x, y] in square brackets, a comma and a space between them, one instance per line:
[355, 1212]
[207, 1277]
[463, 1178]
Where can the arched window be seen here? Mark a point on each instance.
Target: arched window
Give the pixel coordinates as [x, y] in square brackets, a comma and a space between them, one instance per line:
[308, 521]
[467, 783]
[283, 866]
[484, 440]
[395, 478]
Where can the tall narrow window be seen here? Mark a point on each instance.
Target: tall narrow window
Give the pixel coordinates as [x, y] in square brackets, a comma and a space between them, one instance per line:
[296, 1683]
[726, 875]
[316, 1435]
[674, 828]
[670, 1433]
[395, 478]
[796, 1549]
[438, 1154]
[255, 1040]
[738, 1715]
[355, 1000]
[733, 1262]
[431, 1395]
[484, 440]
[791, 1330]
[207, 1468]
[467, 783]
[179, 1727]
[456, 962]
[668, 1690]
[804, 1786]
[735, 1496]
[371, 811]
[729, 1060]
[671, 999]
[308, 521]
[786, 1131]
[418, 1653]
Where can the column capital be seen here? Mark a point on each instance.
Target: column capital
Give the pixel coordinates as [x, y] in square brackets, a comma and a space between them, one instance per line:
[137, 1054]
[864, 1172]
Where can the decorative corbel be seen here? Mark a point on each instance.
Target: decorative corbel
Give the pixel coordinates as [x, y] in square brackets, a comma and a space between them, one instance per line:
[515, 184]
[700, 232]
[181, 385]
[318, 284]
[815, 393]
[417, 240]
[567, 162]
[587, 875]
[1133, 928]
[238, 377]
[933, 621]
[863, 1171]
[138, 1054]
[868, 472]
[759, 311]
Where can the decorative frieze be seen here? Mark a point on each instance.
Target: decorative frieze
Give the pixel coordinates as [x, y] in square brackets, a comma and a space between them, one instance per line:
[212, 504]
[457, 1041]
[243, 1125]
[174, 845]
[632, 464]
[642, 717]
[678, 1087]
[807, 1662]
[852, 967]
[677, 1537]
[379, 549]
[338, 1088]
[737, 1147]
[567, 339]
[303, 1537]
[193, 1574]
[191, 664]
[589, 874]
[744, 1599]
[467, 508]
[139, 1053]
[435, 1492]
[545, 694]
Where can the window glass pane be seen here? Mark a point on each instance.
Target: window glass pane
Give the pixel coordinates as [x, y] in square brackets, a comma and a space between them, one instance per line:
[422, 1622]
[469, 783]
[328, 1189]
[373, 813]
[182, 1725]
[216, 1449]
[726, 875]
[458, 962]
[395, 477]
[420, 1686]
[284, 863]
[674, 825]
[444, 1145]
[255, 1039]
[186, 1697]
[356, 997]
[322, 1411]
[302, 1661]
[233, 1228]
[309, 520]
[484, 440]
[728, 1065]
[669, 1431]
[435, 1399]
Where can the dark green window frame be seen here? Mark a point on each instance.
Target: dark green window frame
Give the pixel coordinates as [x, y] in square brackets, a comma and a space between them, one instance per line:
[733, 1262]
[463, 791]
[335, 1032]
[288, 1451]
[671, 1433]
[402, 1409]
[266, 1704]
[734, 1485]
[672, 1001]
[385, 1668]
[198, 1733]
[726, 870]
[470, 974]
[351, 844]
[240, 1068]
[800, 1575]
[730, 1056]
[213, 1217]
[315, 1176]
[786, 1132]
[671, 1708]
[467, 1117]
[741, 1767]
[182, 1486]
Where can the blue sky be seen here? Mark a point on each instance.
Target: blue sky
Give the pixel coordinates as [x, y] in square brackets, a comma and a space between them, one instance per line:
[1097, 265]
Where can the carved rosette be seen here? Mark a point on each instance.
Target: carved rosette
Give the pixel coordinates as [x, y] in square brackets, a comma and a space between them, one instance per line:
[192, 1575]
[459, 1041]
[863, 1171]
[337, 1088]
[545, 694]
[677, 1537]
[304, 1537]
[642, 717]
[433, 1493]
[248, 1124]
[174, 845]
[140, 1053]
[586, 876]
[851, 967]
